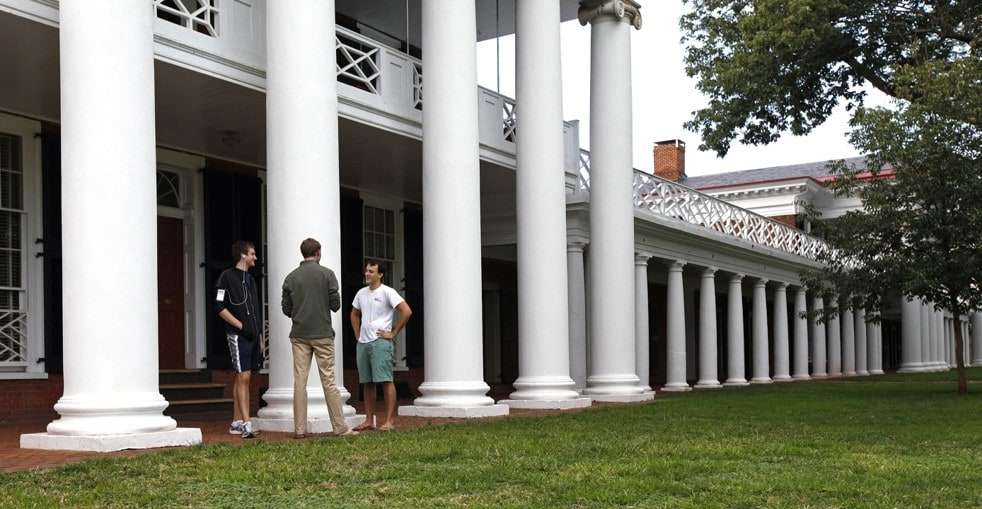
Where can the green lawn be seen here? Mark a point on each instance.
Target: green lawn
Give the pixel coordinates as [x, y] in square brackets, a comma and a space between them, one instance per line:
[789, 445]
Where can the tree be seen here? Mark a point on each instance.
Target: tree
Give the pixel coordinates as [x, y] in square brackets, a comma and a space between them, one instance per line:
[770, 66]
[920, 231]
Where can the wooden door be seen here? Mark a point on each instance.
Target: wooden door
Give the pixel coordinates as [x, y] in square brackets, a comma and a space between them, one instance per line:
[170, 292]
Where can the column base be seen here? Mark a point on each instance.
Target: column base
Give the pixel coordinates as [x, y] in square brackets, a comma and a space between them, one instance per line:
[876, 372]
[285, 425]
[782, 378]
[862, 373]
[707, 384]
[178, 437]
[800, 377]
[912, 369]
[623, 398]
[456, 412]
[547, 404]
[761, 380]
[849, 373]
[676, 387]
[738, 382]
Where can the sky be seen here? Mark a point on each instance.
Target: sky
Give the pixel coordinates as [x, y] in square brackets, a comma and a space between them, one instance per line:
[663, 97]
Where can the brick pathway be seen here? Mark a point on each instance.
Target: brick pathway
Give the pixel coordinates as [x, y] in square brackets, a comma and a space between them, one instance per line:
[214, 430]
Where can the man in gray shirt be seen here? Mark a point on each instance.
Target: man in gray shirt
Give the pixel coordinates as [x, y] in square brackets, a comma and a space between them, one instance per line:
[310, 294]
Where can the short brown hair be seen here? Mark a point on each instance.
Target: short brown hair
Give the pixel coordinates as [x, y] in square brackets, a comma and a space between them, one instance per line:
[309, 247]
[241, 248]
[378, 266]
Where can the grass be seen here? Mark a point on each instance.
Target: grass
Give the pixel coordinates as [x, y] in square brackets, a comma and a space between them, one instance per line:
[867, 444]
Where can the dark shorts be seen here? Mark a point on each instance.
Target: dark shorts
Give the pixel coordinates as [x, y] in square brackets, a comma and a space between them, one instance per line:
[244, 352]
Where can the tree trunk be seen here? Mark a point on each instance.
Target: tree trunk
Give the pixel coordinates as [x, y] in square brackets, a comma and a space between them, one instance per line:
[960, 356]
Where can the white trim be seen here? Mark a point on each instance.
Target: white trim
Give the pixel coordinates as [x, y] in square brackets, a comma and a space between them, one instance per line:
[33, 228]
[191, 212]
[22, 375]
[395, 280]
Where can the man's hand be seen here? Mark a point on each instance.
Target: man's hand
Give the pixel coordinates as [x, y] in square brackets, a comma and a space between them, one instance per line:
[386, 334]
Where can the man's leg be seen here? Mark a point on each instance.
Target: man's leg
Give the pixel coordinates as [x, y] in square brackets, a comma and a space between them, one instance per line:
[241, 399]
[369, 393]
[301, 368]
[390, 405]
[363, 358]
[233, 350]
[324, 355]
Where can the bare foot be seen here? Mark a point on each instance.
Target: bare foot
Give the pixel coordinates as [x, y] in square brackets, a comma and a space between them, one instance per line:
[386, 427]
[364, 427]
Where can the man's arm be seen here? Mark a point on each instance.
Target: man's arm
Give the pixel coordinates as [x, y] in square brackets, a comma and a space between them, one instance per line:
[221, 293]
[286, 302]
[230, 319]
[404, 314]
[356, 321]
[333, 295]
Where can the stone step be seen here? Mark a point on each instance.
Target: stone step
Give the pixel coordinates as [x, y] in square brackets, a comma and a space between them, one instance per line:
[184, 376]
[197, 407]
[193, 391]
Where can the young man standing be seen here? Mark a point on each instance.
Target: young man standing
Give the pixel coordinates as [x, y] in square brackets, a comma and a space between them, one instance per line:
[371, 319]
[237, 303]
[310, 293]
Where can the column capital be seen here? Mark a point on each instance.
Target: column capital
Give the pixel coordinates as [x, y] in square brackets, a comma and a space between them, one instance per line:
[761, 282]
[621, 10]
[781, 285]
[737, 278]
[641, 258]
[575, 246]
[676, 265]
[709, 272]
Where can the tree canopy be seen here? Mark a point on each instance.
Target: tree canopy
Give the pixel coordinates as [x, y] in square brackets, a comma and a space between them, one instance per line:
[770, 66]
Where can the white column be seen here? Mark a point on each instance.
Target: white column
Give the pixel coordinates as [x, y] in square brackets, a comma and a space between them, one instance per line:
[977, 338]
[910, 332]
[879, 349]
[926, 354]
[819, 358]
[834, 333]
[782, 361]
[612, 363]
[950, 329]
[708, 377]
[111, 398]
[540, 210]
[761, 367]
[873, 352]
[642, 338]
[302, 160]
[800, 363]
[862, 340]
[848, 342]
[675, 376]
[577, 314]
[454, 385]
[736, 371]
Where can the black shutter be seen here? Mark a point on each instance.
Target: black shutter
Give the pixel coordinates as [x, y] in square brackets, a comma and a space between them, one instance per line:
[232, 212]
[352, 254]
[51, 231]
[413, 283]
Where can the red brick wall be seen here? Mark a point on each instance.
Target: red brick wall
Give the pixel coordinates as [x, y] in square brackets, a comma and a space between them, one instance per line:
[790, 220]
[30, 398]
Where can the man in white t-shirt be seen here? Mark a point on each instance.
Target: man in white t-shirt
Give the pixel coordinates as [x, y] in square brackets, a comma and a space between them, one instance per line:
[372, 314]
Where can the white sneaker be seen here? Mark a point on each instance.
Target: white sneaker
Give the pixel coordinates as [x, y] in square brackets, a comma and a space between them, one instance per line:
[235, 428]
[247, 431]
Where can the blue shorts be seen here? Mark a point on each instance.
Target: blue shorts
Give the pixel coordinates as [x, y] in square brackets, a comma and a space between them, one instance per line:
[375, 361]
[244, 352]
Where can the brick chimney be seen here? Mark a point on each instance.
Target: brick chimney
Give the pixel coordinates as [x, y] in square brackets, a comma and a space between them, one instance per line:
[670, 160]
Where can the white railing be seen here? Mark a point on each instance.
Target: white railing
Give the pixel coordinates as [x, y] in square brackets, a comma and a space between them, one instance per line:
[358, 63]
[197, 15]
[673, 200]
[13, 338]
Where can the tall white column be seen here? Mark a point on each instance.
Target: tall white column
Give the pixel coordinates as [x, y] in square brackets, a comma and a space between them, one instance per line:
[819, 357]
[111, 398]
[873, 352]
[834, 334]
[879, 349]
[799, 370]
[782, 361]
[577, 314]
[736, 371]
[848, 342]
[641, 337]
[862, 340]
[708, 377]
[977, 338]
[540, 209]
[761, 367]
[453, 386]
[302, 189]
[924, 343]
[910, 333]
[612, 376]
[675, 375]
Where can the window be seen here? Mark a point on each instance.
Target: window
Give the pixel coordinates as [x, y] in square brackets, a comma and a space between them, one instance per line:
[200, 16]
[168, 189]
[13, 315]
[380, 234]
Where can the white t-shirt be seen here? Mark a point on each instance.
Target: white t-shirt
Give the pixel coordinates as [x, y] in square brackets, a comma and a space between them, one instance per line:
[377, 310]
